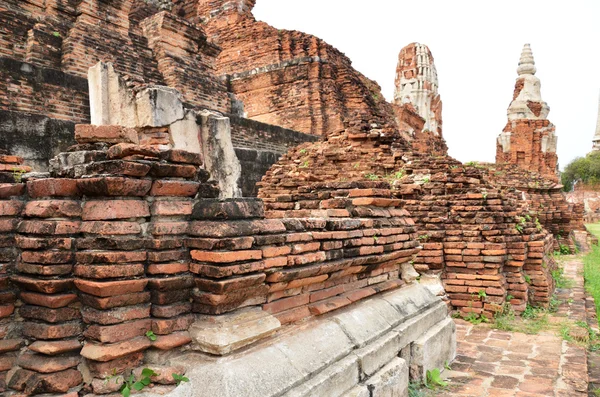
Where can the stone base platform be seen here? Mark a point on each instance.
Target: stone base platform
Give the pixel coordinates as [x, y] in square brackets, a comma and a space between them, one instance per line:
[368, 349]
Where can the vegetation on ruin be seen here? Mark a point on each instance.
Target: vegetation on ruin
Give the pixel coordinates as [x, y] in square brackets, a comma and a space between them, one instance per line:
[433, 383]
[591, 270]
[129, 383]
[582, 169]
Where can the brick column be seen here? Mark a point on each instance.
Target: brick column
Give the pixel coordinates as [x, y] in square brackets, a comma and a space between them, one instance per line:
[50, 311]
[110, 269]
[170, 282]
[10, 212]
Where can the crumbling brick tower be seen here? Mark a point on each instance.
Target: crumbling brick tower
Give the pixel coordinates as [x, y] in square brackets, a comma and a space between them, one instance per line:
[528, 139]
[417, 103]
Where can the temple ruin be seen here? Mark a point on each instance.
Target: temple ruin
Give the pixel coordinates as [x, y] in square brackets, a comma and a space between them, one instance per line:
[528, 139]
[131, 238]
[596, 139]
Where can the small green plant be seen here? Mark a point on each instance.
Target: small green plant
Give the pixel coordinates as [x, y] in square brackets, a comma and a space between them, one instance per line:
[179, 378]
[471, 163]
[564, 249]
[356, 165]
[375, 238]
[416, 389]
[18, 175]
[560, 280]
[424, 237]
[528, 217]
[130, 382]
[476, 319]
[151, 335]
[520, 225]
[372, 177]
[447, 366]
[426, 179]
[509, 297]
[565, 332]
[304, 164]
[56, 34]
[434, 379]
[527, 278]
[481, 294]
[302, 151]
[538, 225]
[484, 195]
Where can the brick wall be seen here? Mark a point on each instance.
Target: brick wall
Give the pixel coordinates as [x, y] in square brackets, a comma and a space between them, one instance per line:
[123, 239]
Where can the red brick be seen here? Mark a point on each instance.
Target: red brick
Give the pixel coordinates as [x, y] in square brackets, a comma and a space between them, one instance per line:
[87, 133]
[171, 208]
[51, 331]
[110, 228]
[115, 301]
[52, 348]
[53, 209]
[115, 315]
[114, 186]
[44, 286]
[287, 303]
[109, 271]
[49, 227]
[168, 228]
[47, 257]
[174, 188]
[52, 187]
[114, 209]
[47, 364]
[51, 301]
[103, 353]
[225, 257]
[167, 326]
[110, 288]
[10, 207]
[328, 305]
[119, 332]
[168, 268]
[110, 257]
[11, 189]
[168, 342]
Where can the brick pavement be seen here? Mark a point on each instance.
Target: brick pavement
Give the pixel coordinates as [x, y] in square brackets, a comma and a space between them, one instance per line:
[497, 363]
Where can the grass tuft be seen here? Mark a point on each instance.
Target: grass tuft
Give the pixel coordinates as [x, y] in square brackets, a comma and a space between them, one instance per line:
[591, 268]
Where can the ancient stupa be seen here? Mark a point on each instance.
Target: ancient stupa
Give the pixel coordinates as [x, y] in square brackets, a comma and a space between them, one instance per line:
[596, 140]
[528, 139]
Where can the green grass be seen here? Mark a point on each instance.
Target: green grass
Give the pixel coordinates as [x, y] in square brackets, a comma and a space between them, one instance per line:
[591, 268]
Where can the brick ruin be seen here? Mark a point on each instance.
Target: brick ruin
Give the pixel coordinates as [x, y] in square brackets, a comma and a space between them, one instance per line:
[528, 139]
[417, 104]
[588, 194]
[46, 49]
[140, 224]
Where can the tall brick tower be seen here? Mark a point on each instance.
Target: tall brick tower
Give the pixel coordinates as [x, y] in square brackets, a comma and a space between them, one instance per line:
[417, 104]
[596, 140]
[528, 139]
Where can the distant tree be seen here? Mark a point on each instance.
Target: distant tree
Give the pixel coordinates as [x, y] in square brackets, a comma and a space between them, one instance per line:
[582, 169]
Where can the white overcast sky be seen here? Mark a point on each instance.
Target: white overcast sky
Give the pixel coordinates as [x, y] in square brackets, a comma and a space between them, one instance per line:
[476, 45]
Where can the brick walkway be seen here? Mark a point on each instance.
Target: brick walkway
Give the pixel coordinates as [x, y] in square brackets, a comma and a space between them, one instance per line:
[498, 363]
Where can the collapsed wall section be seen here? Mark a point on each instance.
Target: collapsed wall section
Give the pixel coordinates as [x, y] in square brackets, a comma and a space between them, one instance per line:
[287, 78]
[125, 239]
[478, 246]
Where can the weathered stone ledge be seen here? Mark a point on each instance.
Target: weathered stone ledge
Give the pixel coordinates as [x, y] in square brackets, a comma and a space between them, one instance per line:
[370, 347]
[277, 66]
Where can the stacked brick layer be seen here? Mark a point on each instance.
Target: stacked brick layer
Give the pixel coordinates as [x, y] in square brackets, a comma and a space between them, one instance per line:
[547, 203]
[477, 237]
[46, 49]
[287, 78]
[124, 239]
